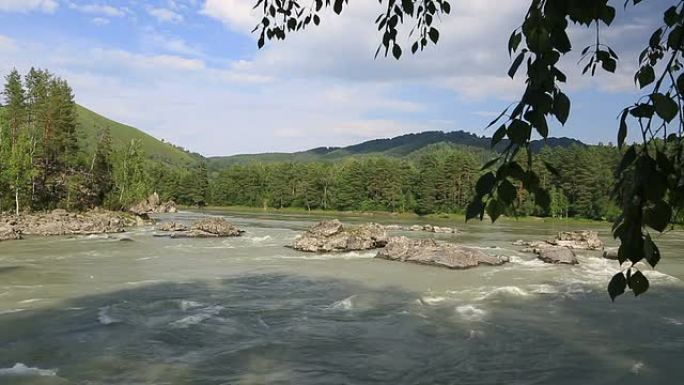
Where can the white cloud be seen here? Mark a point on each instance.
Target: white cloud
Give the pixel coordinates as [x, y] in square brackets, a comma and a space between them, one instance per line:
[170, 44]
[99, 21]
[47, 6]
[237, 14]
[120, 58]
[165, 15]
[98, 9]
[7, 44]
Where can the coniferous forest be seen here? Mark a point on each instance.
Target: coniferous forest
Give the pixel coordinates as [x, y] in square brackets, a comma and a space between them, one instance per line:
[44, 164]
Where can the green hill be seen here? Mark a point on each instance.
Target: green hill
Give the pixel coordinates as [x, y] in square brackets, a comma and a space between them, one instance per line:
[400, 146]
[90, 124]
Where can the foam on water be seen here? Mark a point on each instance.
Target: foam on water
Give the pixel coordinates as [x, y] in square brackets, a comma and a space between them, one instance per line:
[432, 300]
[201, 315]
[510, 291]
[186, 305]
[104, 318]
[637, 367]
[343, 304]
[324, 257]
[20, 369]
[471, 313]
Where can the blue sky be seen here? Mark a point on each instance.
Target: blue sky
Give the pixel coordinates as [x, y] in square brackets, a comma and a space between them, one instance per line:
[188, 71]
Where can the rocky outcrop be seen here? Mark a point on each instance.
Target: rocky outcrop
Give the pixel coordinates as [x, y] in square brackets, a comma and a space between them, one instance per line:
[61, 222]
[584, 240]
[328, 236]
[431, 252]
[581, 240]
[560, 255]
[153, 205]
[204, 228]
[9, 232]
[610, 253]
[172, 226]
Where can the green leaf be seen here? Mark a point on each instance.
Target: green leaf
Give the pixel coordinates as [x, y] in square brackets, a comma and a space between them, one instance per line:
[642, 110]
[396, 51]
[609, 65]
[518, 131]
[494, 209]
[657, 215]
[498, 135]
[622, 132]
[561, 107]
[506, 192]
[627, 159]
[485, 184]
[434, 35]
[516, 63]
[337, 6]
[408, 6]
[670, 16]
[674, 39]
[665, 107]
[651, 251]
[475, 209]
[617, 286]
[514, 42]
[638, 282]
[680, 84]
[607, 14]
[490, 163]
[645, 76]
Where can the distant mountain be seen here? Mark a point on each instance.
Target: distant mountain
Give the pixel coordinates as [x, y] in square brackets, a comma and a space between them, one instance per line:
[90, 124]
[398, 146]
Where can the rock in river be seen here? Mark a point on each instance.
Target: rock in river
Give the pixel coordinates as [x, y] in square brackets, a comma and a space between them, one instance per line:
[581, 240]
[561, 255]
[204, 228]
[331, 235]
[61, 222]
[430, 252]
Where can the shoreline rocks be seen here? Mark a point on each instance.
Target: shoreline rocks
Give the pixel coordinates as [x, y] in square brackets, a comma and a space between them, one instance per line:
[433, 253]
[331, 236]
[204, 228]
[61, 222]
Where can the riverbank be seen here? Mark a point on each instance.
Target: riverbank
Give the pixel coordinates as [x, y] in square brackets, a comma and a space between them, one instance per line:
[405, 216]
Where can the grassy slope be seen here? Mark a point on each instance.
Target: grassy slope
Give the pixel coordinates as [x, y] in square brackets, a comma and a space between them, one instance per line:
[90, 124]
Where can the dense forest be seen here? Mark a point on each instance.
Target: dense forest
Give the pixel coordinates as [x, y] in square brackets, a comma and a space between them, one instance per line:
[440, 179]
[44, 164]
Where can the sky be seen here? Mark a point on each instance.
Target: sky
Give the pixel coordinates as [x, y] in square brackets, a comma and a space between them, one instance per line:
[189, 71]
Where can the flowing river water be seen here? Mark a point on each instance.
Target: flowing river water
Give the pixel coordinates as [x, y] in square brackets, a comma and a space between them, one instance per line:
[98, 310]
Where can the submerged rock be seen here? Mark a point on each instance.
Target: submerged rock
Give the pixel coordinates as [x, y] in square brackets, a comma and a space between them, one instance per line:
[432, 229]
[561, 255]
[327, 236]
[431, 252]
[153, 205]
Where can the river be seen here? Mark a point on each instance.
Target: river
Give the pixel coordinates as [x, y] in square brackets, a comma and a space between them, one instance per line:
[98, 310]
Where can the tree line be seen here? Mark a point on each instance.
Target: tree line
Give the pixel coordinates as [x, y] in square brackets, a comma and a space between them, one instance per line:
[441, 179]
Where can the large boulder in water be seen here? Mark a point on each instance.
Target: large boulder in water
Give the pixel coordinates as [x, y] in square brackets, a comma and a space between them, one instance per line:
[431, 252]
[61, 222]
[585, 240]
[327, 236]
[611, 253]
[153, 205]
[560, 255]
[204, 228]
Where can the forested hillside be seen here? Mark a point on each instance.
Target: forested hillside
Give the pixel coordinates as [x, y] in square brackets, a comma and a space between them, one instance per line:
[399, 146]
[54, 153]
